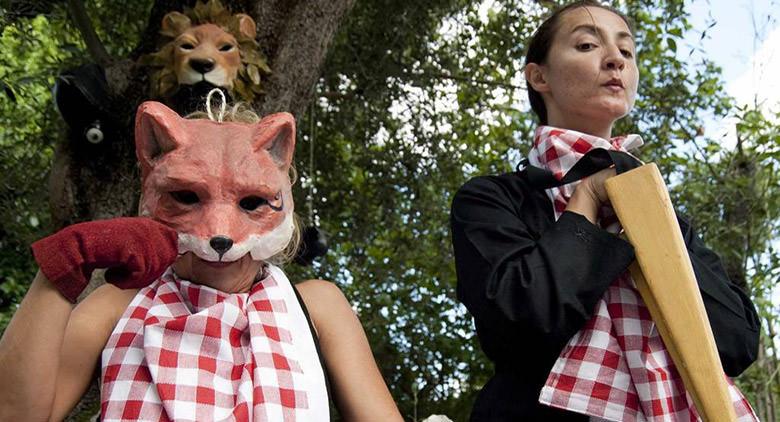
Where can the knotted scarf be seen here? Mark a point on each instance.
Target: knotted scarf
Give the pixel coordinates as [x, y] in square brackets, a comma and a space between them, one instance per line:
[616, 367]
[187, 352]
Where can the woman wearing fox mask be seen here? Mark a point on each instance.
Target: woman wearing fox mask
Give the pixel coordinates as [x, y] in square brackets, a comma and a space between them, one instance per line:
[195, 323]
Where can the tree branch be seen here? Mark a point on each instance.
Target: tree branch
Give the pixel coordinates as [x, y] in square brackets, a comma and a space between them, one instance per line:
[91, 39]
[692, 138]
[297, 54]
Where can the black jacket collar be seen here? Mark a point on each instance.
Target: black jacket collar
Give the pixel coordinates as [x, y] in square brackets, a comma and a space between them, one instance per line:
[595, 160]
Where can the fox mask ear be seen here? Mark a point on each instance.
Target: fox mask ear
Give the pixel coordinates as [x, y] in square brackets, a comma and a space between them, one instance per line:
[157, 132]
[276, 134]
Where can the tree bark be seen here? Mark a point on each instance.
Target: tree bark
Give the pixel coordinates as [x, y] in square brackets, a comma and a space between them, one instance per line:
[296, 35]
[101, 181]
[90, 182]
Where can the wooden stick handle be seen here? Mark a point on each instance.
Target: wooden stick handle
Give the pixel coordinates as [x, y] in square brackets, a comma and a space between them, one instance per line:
[665, 279]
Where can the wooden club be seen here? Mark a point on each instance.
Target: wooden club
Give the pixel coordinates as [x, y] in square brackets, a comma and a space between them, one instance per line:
[665, 279]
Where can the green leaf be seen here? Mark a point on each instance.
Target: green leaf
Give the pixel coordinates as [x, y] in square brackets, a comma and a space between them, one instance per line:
[672, 44]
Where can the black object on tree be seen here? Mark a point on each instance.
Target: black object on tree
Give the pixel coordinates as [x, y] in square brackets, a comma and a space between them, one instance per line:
[82, 99]
[314, 244]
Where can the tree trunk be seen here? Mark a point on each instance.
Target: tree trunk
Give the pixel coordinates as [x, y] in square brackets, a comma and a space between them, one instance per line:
[737, 217]
[297, 34]
[101, 181]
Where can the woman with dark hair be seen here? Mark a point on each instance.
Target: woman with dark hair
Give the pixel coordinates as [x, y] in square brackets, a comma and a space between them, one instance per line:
[540, 266]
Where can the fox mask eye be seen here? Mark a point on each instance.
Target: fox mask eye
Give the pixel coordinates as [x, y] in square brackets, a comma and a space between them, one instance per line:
[248, 203]
[186, 197]
[253, 202]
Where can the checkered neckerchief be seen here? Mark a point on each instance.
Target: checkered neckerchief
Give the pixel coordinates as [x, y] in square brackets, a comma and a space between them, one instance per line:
[616, 367]
[187, 352]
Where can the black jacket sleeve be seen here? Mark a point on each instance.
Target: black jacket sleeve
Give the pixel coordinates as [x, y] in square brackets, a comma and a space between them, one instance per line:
[733, 318]
[549, 281]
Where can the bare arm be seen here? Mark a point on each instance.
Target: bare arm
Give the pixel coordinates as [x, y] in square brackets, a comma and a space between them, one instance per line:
[30, 353]
[50, 350]
[89, 328]
[359, 390]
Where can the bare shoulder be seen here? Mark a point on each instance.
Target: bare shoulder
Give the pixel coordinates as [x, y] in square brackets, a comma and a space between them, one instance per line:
[358, 387]
[318, 293]
[326, 303]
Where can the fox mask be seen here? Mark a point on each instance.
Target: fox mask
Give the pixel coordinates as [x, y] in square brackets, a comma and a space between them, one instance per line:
[223, 186]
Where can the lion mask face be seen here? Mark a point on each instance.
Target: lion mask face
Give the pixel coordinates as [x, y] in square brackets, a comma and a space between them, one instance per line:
[208, 45]
[206, 52]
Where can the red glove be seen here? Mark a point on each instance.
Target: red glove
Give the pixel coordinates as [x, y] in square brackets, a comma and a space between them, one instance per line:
[136, 251]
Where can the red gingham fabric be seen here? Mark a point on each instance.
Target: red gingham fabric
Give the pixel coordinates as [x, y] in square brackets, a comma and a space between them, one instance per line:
[616, 367]
[187, 352]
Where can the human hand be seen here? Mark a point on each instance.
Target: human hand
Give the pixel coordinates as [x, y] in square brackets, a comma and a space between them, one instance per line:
[594, 184]
[590, 194]
[135, 250]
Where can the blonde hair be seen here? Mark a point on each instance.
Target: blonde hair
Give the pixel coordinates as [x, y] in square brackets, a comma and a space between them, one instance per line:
[239, 112]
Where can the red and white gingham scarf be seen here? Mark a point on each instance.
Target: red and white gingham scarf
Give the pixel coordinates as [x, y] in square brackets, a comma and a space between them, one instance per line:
[616, 367]
[187, 352]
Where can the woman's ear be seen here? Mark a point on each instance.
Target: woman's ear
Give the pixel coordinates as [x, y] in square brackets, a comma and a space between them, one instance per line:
[534, 74]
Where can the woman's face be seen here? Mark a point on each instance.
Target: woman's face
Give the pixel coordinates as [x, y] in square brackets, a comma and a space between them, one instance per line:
[590, 76]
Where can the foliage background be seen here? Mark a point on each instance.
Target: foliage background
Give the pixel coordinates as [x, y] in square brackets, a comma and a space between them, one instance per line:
[415, 98]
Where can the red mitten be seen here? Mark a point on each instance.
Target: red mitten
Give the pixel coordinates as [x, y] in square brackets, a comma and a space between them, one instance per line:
[136, 251]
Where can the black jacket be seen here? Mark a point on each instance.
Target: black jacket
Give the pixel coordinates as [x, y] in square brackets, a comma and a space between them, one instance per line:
[531, 283]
